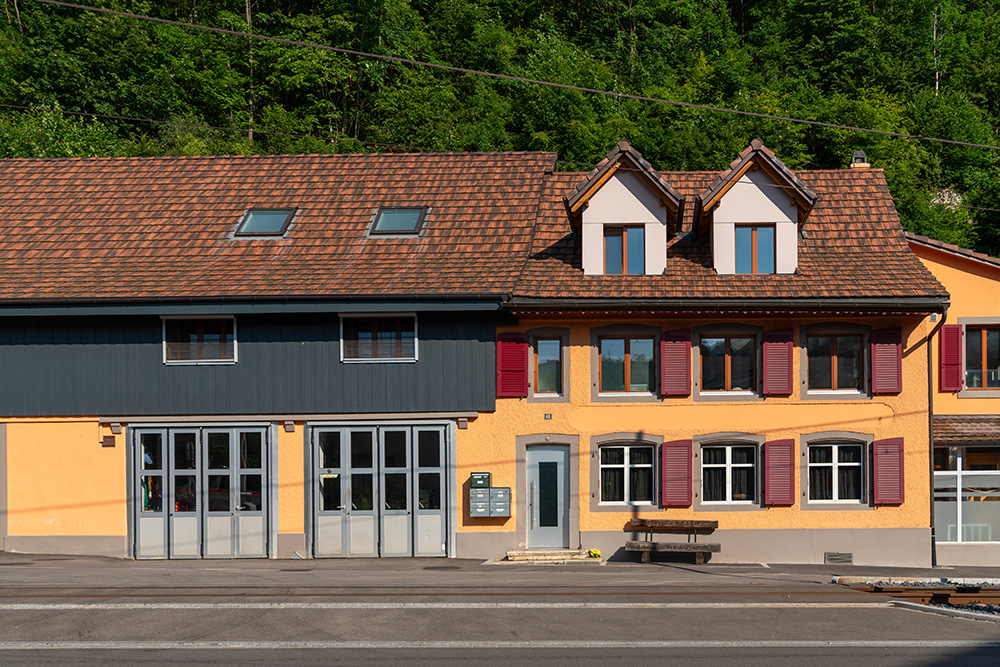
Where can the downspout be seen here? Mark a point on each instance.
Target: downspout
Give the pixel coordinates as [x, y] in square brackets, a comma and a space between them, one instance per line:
[930, 425]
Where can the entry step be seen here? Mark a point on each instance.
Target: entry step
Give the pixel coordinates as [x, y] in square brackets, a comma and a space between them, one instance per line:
[550, 555]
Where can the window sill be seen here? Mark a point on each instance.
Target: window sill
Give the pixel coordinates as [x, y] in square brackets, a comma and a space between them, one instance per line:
[379, 361]
[726, 506]
[701, 395]
[201, 362]
[835, 505]
[625, 397]
[834, 395]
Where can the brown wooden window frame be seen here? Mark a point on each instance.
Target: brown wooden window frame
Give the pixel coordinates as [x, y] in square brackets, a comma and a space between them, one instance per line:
[628, 365]
[754, 228]
[351, 326]
[835, 361]
[173, 346]
[623, 232]
[728, 381]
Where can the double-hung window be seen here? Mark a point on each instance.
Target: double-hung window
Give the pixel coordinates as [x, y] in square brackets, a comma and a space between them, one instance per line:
[379, 338]
[627, 474]
[836, 362]
[982, 357]
[624, 250]
[627, 364]
[729, 473]
[755, 249]
[728, 363]
[199, 340]
[836, 472]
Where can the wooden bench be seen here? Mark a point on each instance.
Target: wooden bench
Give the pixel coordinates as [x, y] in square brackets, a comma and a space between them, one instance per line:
[650, 526]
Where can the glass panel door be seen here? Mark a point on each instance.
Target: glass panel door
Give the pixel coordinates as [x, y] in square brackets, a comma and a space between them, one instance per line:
[362, 529]
[328, 506]
[218, 525]
[184, 525]
[429, 491]
[395, 525]
[151, 517]
[251, 501]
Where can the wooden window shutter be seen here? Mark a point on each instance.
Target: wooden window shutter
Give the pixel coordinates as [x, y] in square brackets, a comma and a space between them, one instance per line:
[887, 361]
[779, 472]
[778, 362]
[888, 467]
[512, 365]
[951, 357]
[675, 477]
[675, 363]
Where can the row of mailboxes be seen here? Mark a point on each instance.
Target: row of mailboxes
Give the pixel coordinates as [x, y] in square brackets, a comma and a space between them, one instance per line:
[489, 502]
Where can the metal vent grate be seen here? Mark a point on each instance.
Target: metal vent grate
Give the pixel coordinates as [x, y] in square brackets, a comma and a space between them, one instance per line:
[838, 558]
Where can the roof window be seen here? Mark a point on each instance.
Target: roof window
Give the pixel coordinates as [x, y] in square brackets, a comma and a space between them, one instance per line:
[265, 222]
[398, 220]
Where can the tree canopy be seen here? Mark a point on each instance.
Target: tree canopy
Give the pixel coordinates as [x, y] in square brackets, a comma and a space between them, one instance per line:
[923, 67]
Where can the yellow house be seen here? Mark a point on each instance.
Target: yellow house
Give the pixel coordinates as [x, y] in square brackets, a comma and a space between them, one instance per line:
[746, 347]
[965, 395]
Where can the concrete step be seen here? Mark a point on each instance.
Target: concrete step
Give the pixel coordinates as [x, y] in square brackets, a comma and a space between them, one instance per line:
[549, 555]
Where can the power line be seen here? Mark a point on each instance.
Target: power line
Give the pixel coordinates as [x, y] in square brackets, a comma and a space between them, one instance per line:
[519, 79]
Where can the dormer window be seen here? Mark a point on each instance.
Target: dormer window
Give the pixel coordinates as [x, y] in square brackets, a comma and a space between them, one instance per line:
[752, 213]
[625, 211]
[398, 220]
[754, 248]
[265, 222]
[624, 250]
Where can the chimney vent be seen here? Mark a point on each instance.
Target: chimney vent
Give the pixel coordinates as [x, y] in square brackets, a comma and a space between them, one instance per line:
[859, 160]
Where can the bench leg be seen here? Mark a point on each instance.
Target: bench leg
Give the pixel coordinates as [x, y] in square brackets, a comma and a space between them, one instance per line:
[699, 557]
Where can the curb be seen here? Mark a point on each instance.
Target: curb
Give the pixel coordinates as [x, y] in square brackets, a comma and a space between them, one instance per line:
[944, 611]
[922, 581]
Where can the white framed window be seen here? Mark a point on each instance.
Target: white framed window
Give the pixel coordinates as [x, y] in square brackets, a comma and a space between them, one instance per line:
[836, 472]
[729, 474]
[966, 494]
[378, 338]
[626, 474]
[199, 340]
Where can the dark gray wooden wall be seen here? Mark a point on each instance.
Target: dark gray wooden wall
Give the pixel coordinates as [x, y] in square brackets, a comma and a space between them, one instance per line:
[288, 363]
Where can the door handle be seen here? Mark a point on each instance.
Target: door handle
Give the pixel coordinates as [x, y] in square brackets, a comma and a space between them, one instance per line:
[531, 504]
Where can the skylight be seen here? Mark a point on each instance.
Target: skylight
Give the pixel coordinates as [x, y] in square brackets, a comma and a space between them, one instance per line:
[399, 220]
[265, 222]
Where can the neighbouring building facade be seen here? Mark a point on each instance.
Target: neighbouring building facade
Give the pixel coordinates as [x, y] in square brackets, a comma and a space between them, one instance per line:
[463, 354]
[966, 404]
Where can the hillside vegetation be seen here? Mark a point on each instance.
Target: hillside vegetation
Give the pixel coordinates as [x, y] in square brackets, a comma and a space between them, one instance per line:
[930, 68]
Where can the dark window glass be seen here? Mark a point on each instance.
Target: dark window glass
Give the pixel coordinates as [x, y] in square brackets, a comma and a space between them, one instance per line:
[265, 222]
[152, 451]
[635, 251]
[713, 364]
[754, 249]
[361, 449]
[642, 369]
[218, 493]
[218, 451]
[329, 449]
[379, 338]
[329, 493]
[152, 493]
[743, 354]
[820, 352]
[362, 492]
[398, 220]
[628, 364]
[251, 498]
[728, 363]
[429, 449]
[251, 446]
[394, 444]
[395, 491]
[614, 250]
[612, 364]
[430, 490]
[548, 361]
[200, 340]
[548, 494]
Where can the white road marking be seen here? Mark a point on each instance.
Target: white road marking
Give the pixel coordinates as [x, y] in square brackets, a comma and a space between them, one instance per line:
[111, 606]
[479, 645]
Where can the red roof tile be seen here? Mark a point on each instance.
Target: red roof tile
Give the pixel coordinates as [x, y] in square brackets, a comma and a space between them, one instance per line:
[966, 429]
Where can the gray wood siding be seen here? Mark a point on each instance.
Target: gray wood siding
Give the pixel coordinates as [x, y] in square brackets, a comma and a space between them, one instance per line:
[287, 364]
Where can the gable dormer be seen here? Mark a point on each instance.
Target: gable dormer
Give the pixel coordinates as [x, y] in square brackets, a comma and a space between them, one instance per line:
[624, 210]
[752, 213]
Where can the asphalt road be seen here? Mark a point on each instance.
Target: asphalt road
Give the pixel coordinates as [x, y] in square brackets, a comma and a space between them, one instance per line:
[89, 611]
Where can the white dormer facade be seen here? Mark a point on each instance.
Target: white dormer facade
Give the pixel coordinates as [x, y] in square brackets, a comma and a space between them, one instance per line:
[755, 204]
[623, 203]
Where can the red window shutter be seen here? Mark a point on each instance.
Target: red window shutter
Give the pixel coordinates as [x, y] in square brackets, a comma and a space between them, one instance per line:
[779, 472]
[888, 471]
[512, 365]
[887, 361]
[778, 362]
[675, 477]
[951, 357]
[675, 363]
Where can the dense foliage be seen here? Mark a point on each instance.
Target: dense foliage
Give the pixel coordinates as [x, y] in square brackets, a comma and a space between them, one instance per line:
[926, 67]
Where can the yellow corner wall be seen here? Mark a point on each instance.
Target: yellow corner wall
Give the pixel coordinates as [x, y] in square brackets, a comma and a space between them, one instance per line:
[975, 292]
[291, 490]
[62, 481]
[489, 443]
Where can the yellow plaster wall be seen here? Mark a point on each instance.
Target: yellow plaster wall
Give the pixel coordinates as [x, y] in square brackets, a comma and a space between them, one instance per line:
[975, 292]
[61, 481]
[291, 490]
[489, 443]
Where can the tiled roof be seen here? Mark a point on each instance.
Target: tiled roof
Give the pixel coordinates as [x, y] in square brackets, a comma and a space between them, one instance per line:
[641, 166]
[159, 228]
[852, 247]
[758, 151]
[966, 429]
[953, 249]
